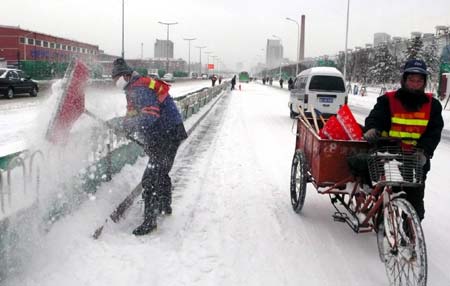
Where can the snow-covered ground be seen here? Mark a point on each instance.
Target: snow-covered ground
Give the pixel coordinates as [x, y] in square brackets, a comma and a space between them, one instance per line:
[232, 222]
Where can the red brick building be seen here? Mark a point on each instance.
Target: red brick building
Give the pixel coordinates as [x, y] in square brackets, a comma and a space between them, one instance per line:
[18, 45]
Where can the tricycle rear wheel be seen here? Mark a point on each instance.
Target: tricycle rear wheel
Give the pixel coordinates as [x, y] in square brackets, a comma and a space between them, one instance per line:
[299, 177]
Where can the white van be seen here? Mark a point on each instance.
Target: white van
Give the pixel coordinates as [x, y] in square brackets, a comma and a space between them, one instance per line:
[320, 88]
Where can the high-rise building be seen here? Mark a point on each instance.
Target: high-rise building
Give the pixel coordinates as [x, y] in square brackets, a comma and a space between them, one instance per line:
[274, 53]
[163, 48]
[381, 38]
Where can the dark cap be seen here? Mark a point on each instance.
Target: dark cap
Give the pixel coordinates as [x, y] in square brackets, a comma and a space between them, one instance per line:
[120, 67]
[415, 66]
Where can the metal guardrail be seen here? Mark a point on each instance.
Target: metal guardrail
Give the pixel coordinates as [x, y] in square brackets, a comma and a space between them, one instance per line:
[109, 153]
[19, 161]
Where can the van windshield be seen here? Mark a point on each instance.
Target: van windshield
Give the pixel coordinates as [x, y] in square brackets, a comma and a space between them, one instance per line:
[327, 83]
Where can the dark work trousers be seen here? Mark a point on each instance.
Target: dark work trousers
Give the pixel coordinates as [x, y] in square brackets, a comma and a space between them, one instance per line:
[156, 181]
[416, 195]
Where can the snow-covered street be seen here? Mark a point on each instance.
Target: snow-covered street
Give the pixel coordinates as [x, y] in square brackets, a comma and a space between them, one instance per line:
[233, 223]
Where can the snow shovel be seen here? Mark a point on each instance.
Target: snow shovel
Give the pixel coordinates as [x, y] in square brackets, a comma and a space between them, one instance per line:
[119, 211]
[70, 104]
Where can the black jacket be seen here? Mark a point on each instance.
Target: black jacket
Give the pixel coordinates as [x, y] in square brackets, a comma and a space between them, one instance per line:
[380, 118]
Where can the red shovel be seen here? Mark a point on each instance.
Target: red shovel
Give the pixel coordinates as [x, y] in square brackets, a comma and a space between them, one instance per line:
[70, 105]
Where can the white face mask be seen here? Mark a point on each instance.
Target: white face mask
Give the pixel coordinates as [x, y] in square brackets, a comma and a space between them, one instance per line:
[121, 83]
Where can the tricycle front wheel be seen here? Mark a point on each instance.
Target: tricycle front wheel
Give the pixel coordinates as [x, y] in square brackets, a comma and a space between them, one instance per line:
[299, 176]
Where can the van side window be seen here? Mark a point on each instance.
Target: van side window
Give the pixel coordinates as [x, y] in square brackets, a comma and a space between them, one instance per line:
[327, 83]
[303, 82]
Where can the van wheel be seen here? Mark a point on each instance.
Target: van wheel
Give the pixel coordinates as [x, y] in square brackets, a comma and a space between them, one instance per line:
[292, 114]
[10, 93]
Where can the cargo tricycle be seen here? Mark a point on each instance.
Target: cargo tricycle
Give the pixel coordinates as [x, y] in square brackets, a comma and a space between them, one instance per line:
[367, 200]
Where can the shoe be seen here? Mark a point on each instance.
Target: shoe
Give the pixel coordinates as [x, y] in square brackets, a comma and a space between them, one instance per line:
[146, 227]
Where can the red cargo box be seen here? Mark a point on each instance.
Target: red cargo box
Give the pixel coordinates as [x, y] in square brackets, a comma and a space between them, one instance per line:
[327, 159]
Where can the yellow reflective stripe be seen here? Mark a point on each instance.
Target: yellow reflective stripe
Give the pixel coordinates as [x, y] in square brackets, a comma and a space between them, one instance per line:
[401, 134]
[410, 142]
[151, 85]
[131, 113]
[404, 121]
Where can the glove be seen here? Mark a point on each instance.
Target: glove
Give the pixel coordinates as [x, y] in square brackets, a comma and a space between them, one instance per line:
[422, 158]
[116, 124]
[372, 135]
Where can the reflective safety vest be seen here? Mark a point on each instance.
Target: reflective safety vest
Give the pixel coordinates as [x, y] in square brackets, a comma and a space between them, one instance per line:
[160, 87]
[409, 125]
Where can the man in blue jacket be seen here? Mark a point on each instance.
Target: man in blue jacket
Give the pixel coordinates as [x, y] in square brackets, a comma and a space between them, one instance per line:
[153, 117]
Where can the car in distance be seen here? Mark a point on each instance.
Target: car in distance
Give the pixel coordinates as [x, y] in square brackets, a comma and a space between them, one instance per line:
[168, 77]
[15, 81]
[153, 75]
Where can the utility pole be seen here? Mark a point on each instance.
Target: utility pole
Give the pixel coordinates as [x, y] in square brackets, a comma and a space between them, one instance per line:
[189, 56]
[123, 29]
[167, 43]
[200, 58]
[346, 40]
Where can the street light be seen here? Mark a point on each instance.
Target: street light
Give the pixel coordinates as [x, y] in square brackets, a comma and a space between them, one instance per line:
[123, 30]
[281, 55]
[214, 67]
[200, 58]
[207, 61]
[189, 57]
[346, 41]
[167, 42]
[26, 43]
[298, 43]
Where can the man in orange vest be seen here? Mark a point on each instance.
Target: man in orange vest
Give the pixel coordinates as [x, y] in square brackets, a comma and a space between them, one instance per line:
[412, 115]
[153, 117]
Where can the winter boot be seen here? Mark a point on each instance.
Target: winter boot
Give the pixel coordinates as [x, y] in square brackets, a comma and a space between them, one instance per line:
[150, 216]
[164, 205]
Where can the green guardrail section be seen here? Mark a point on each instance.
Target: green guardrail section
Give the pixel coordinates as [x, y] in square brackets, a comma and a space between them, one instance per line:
[76, 191]
[4, 161]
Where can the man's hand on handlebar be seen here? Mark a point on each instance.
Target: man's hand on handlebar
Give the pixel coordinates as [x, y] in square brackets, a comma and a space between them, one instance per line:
[372, 135]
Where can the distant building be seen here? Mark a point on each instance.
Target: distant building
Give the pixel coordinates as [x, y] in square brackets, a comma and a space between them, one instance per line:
[380, 38]
[163, 48]
[274, 53]
[18, 45]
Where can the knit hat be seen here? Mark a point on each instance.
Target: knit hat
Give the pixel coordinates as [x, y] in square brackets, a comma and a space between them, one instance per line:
[120, 67]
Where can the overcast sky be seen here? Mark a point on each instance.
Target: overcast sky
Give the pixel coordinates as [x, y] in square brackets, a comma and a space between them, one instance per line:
[234, 30]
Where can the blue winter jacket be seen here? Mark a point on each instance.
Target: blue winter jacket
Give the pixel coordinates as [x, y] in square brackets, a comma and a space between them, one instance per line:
[154, 116]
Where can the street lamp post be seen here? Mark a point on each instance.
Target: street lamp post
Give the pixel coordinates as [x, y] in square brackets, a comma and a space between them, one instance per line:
[26, 43]
[214, 59]
[189, 56]
[298, 44]
[281, 56]
[346, 41]
[207, 61]
[200, 58]
[123, 29]
[167, 42]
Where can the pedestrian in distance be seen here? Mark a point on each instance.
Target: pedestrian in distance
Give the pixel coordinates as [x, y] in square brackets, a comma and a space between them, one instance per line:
[355, 89]
[153, 117]
[233, 82]
[290, 83]
[220, 79]
[281, 83]
[412, 116]
[213, 80]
